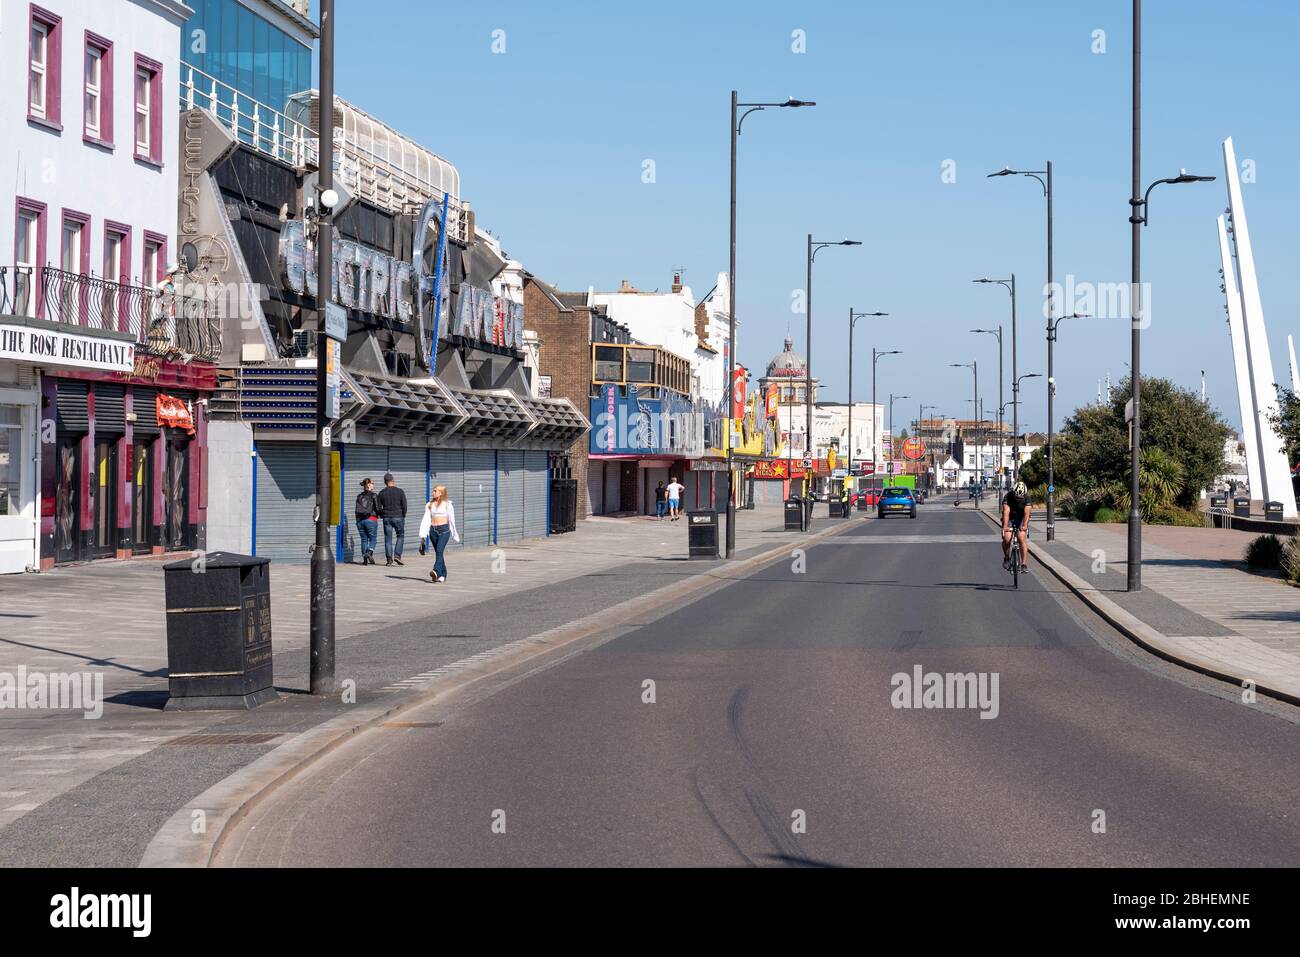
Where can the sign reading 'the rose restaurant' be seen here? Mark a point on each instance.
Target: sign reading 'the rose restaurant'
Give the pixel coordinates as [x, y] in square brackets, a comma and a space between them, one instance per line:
[49, 347]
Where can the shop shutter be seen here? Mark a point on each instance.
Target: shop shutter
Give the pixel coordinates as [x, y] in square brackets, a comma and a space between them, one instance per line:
[408, 468]
[536, 486]
[71, 403]
[510, 495]
[474, 521]
[144, 403]
[359, 462]
[110, 409]
[286, 496]
[595, 488]
[613, 487]
[447, 467]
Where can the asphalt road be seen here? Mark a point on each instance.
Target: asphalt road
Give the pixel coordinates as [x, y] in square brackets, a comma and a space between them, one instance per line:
[773, 738]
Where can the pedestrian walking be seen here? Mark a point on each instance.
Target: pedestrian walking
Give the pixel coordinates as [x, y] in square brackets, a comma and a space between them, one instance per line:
[367, 514]
[675, 489]
[661, 500]
[438, 526]
[392, 509]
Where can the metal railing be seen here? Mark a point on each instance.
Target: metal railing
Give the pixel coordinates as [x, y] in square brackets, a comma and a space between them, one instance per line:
[253, 123]
[164, 322]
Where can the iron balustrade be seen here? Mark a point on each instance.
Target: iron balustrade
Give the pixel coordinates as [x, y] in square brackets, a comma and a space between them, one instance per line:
[163, 321]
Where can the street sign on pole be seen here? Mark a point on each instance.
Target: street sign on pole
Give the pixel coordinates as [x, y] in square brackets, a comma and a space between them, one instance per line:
[336, 322]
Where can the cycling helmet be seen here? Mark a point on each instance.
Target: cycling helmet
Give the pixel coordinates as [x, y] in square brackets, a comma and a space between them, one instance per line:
[1020, 490]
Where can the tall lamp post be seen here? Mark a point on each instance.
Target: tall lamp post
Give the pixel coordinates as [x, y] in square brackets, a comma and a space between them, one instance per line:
[1001, 431]
[321, 627]
[1010, 286]
[814, 248]
[893, 449]
[920, 414]
[737, 119]
[853, 321]
[1015, 413]
[973, 365]
[1138, 217]
[1044, 178]
[875, 435]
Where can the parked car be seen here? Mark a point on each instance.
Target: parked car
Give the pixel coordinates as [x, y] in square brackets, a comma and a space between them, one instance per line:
[896, 500]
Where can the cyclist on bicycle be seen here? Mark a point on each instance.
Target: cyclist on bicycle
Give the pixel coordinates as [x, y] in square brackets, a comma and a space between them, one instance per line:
[1015, 520]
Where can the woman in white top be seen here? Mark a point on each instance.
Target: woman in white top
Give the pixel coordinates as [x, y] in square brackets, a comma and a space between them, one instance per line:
[439, 525]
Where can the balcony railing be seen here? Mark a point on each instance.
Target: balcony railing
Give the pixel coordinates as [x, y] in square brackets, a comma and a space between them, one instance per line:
[163, 322]
[255, 124]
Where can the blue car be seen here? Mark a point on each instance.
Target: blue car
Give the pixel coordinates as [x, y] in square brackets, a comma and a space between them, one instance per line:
[896, 500]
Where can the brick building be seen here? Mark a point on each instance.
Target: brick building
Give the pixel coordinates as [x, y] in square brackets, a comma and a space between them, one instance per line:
[568, 326]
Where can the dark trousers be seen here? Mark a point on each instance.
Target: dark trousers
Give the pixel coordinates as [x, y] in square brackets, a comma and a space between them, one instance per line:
[369, 531]
[440, 535]
[392, 525]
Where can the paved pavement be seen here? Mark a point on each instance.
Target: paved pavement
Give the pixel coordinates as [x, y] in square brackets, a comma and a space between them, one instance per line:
[771, 735]
[1196, 592]
[80, 791]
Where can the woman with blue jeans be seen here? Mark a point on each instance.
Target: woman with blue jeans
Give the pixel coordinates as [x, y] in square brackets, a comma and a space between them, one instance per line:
[367, 514]
[439, 527]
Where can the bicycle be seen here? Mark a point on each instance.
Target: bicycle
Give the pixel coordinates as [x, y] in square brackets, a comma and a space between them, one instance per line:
[1014, 555]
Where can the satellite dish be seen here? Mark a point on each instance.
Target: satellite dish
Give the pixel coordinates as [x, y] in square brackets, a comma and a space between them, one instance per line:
[190, 256]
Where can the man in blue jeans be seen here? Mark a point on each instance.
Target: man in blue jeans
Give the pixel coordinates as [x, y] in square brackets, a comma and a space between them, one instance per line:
[392, 507]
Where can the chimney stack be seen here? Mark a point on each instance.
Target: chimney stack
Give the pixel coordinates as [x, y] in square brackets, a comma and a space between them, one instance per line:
[677, 282]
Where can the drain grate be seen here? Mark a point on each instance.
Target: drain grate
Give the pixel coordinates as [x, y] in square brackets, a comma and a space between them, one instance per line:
[191, 739]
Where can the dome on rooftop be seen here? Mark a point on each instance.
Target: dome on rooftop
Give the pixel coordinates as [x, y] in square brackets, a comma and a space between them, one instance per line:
[786, 363]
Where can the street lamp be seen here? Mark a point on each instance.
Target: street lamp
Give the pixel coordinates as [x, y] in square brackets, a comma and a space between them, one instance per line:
[1044, 178]
[813, 249]
[1015, 411]
[893, 451]
[790, 102]
[875, 434]
[1001, 431]
[1010, 286]
[1138, 217]
[920, 414]
[853, 321]
[975, 401]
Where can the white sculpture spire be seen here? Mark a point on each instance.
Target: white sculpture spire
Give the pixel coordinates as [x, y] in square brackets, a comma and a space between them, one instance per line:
[1274, 472]
[1240, 362]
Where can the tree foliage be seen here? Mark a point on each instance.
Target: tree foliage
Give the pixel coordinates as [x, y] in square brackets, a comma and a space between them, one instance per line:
[1287, 423]
[1184, 437]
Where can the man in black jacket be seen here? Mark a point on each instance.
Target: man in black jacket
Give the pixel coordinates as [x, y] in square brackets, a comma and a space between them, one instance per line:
[367, 513]
[392, 509]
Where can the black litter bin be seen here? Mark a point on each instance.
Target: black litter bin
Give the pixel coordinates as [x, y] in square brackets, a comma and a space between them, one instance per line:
[834, 509]
[794, 515]
[219, 632]
[702, 534]
[1273, 511]
[1218, 503]
[1241, 507]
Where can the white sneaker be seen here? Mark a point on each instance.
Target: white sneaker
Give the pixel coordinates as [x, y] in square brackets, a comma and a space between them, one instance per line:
[443, 578]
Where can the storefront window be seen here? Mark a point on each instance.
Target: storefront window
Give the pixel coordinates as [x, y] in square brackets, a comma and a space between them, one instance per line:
[11, 442]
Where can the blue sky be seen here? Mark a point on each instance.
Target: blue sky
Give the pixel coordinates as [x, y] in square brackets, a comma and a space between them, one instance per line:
[551, 136]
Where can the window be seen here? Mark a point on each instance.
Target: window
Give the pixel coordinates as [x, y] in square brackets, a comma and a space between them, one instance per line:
[69, 290]
[43, 49]
[29, 248]
[148, 110]
[142, 116]
[154, 266]
[117, 269]
[11, 460]
[98, 92]
[609, 364]
[640, 365]
[70, 251]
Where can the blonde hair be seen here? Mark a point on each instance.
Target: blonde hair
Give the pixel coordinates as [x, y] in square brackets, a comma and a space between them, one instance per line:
[436, 490]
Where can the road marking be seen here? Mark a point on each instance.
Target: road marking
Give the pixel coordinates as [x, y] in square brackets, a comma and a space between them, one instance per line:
[911, 540]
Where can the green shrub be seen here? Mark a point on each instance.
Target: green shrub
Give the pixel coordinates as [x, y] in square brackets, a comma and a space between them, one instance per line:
[1172, 515]
[1109, 515]
[1038, 494]
[1264, 552]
